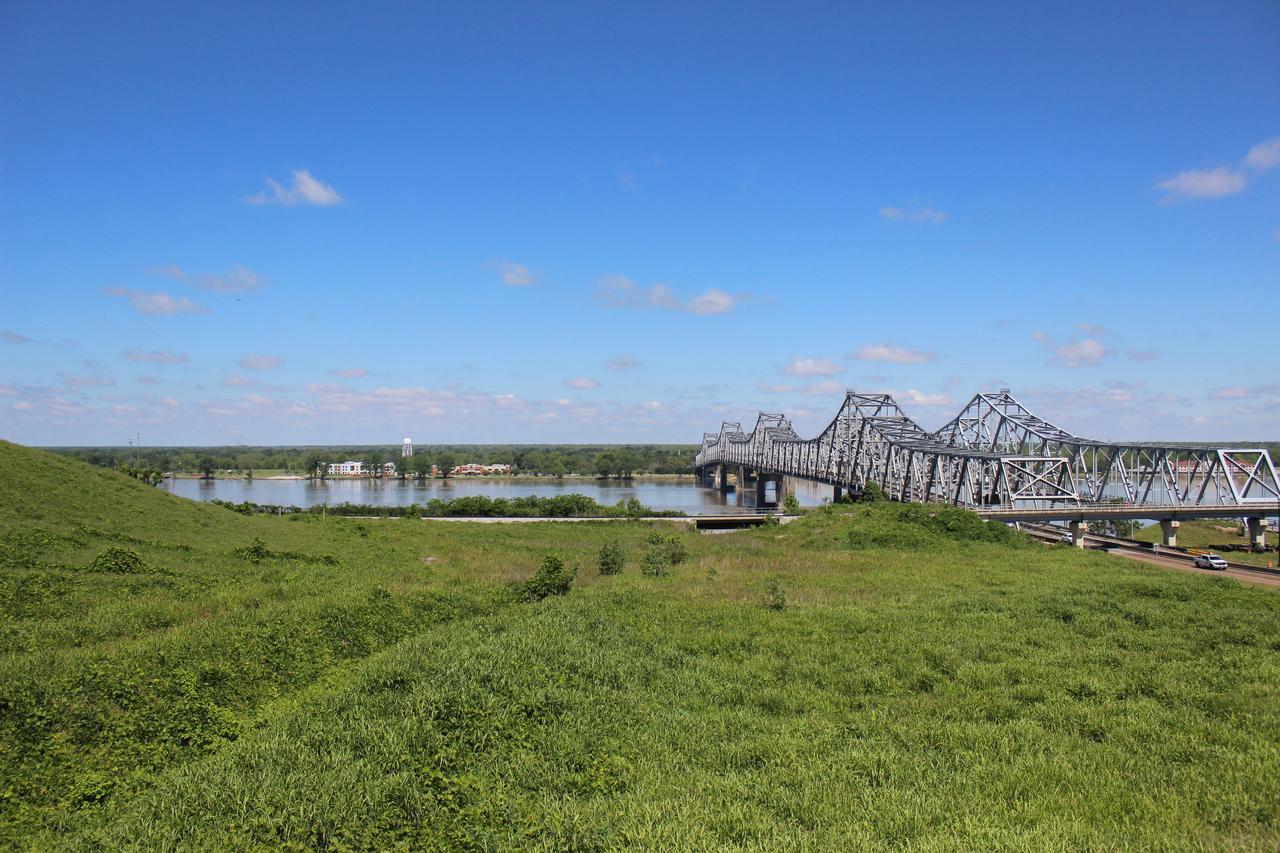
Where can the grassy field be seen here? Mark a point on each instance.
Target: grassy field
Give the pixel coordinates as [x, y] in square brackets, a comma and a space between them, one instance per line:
[1213, 534]
[179, 675]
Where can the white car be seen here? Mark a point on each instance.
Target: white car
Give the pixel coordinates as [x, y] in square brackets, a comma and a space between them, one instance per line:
[1210, 561]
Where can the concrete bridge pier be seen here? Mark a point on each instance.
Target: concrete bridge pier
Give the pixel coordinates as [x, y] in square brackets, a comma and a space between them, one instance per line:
[1257, 532]
[1169, 530]
[1078, 529]
[722, 477]
[782, 486]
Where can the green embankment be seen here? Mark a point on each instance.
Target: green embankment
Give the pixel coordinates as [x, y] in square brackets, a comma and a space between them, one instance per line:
[331, 683]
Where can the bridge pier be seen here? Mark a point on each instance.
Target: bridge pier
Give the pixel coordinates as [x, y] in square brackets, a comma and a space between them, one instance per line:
[1078, 529]
[1257, 532]
[837, 492]
[722, 477]
[1169, 530]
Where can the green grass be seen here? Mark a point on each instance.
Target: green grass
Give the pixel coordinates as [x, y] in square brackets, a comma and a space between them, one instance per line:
[334, 684]
[1213, 534]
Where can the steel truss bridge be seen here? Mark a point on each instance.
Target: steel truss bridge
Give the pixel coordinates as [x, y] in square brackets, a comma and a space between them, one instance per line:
[999, 458]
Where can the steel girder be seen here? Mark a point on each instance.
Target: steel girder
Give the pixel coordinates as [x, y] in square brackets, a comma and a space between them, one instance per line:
[1158, 474]
[996, 452]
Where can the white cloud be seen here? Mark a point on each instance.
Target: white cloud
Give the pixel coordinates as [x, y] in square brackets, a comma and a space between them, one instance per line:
[156, 356]
[240, 279]
[516, 275]
[619, 291]
[914, 212]
[1239, 392]
[824, 388]
[894, 354]
[305, 190]
[812, 367]
[1134, 354]
[712, 302]
[1235, 392]
[622, 362]
[1082, 353]
[581, 382]
[258, 361]
[350, 372]
[1264, 155]
[775, 389]
[919, 398]
[1203, 183]
[159, 304]
[85, 381]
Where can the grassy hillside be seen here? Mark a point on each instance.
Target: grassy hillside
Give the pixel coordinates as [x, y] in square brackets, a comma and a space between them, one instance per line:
[868, 676]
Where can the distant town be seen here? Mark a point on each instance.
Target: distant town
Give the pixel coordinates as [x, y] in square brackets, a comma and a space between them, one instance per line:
[354, 468]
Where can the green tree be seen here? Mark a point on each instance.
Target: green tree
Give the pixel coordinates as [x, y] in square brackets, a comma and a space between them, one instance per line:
[420, 465]
[315, 464]
[373, 462]
[206, 466]
[446, 461]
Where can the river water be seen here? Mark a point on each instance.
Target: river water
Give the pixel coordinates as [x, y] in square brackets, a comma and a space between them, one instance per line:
[685, 496]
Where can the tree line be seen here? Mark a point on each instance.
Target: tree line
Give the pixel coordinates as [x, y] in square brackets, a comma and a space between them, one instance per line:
[541, 460]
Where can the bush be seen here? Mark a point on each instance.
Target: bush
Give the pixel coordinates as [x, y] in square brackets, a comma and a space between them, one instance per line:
[791, 504]
[611, 559]
[672, 547]
[656, 563]
[872, 493]
[774, 598]
[118, 560]
[553, 578]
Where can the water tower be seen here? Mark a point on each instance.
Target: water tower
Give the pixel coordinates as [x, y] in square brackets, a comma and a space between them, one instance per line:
[406, 448]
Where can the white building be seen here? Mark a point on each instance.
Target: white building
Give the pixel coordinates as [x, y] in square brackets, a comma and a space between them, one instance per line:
[345, 469]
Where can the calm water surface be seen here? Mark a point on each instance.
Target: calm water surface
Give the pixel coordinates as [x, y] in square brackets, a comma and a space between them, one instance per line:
[686, 497]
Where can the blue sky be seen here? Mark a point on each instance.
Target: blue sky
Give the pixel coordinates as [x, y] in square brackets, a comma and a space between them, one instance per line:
[310, 223]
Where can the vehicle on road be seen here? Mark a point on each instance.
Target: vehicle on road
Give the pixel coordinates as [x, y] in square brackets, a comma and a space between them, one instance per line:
[1210, 561]
[1068, 538]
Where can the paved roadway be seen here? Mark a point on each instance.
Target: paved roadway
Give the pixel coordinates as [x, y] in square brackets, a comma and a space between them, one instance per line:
[1165, 560]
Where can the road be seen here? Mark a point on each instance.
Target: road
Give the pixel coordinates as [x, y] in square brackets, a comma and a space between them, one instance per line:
[1166, 560]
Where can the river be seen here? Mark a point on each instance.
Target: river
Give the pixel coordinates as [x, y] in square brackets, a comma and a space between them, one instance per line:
[684, 496]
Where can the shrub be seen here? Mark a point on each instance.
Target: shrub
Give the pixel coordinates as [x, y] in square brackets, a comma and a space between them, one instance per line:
[118, 560]
[676, 550]
[791, 504]
[872, 493]
[656, 563]
[255, 551]
[611, 559]
[552, 578]
[774, 598]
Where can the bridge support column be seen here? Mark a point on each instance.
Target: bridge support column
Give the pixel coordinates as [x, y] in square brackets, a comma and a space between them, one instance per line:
[1257, 532]
[1078, 530]
[786, 486]
[1169, 529]
[722, 477]
[837, 493]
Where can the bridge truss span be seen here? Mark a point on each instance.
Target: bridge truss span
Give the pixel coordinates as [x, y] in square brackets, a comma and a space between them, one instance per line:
[995, 454]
